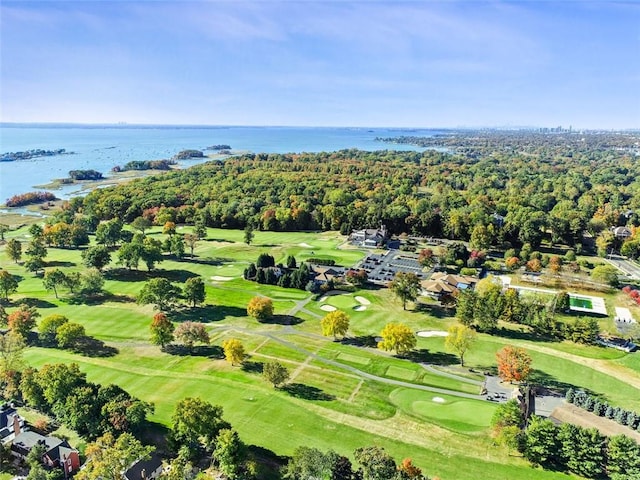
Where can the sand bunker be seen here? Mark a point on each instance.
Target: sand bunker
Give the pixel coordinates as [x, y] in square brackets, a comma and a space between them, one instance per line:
[438, 399]
[328, 308]
[322, 298]
[432, 333]
[305, 245]
[362, 300]
[218, 278]
[360, 308]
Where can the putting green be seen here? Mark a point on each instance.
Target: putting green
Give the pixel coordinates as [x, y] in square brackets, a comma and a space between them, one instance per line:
[459, 414]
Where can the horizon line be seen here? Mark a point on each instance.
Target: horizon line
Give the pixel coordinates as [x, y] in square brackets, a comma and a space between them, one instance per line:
[196, 125]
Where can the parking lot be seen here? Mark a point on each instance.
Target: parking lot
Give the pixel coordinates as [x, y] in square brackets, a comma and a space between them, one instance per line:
[381, 268]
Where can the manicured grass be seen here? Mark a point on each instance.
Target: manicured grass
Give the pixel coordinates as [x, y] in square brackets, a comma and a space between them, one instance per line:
[328, 406]
[453, 413]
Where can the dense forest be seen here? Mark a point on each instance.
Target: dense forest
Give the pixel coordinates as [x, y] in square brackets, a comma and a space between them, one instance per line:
[499, 188]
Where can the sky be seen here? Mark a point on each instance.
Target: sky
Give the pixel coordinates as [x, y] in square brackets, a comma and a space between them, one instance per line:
[370, 63]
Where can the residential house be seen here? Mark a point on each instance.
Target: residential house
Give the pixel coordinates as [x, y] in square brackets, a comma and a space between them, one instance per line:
[58, 453]
[621, 232]
[145, 469]
[11, 423]
[442, 284]
[370, 237]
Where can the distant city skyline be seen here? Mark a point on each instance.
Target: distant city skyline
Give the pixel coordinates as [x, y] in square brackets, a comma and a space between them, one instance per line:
[415, 64]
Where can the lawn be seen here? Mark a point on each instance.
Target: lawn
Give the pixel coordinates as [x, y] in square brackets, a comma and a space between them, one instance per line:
[328, 405]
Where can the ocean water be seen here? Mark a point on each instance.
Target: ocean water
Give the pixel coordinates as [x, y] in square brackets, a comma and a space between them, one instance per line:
[103, 147]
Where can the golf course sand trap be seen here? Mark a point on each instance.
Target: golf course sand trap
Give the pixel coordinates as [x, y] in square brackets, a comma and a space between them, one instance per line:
[328, 308]
[305, 245]
[218, 278]
[432, 333]
[438, 399]
[322, 298]
[360, 308]
[362, 300]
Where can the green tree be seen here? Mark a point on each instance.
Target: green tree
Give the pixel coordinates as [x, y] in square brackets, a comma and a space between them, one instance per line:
[36, 252]
[406, 286]
[14, 250]
[11, 349]
[196, 424]
[291, 262]
[141, 224]
[69, 334]
[541, 442]
[191, 240]
[194, 291]
[109, 233]
[275, 373]
[160, 292]
[161, 330]
[397, 337]
[260, 308]
[96, 257]
[233, 351]
[311, 463]
[229, 452]
[91, 282]
[177, 246]
[192, 332]
[248, 235]
[4, 228]
[57, 380]
[8, 284]
[52, 279]
[623, 456]
[49, 326]
[109, 456]
[459, 339]
[605, 274]
[375, 463]
[335, 323]
[507, 414]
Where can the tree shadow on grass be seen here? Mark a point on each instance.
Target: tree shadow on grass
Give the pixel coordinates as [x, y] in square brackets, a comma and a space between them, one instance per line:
[523, 335]
[539, 377]
[361, 341]
[36, 302]
[282, 320]
[208, 351]
[92, 347]
[252, 367]
[437, 311]
[125, 275]
[207, 313]
[270, 462]
[306, 392]
[56, 263]
[423, 355]
[215, 262]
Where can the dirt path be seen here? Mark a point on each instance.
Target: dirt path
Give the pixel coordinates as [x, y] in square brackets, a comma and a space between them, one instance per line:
[569, 413]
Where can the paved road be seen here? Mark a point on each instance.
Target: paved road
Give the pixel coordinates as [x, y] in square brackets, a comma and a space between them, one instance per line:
[627, 267]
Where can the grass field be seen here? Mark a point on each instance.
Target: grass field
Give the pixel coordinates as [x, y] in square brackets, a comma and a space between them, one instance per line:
[341, 395]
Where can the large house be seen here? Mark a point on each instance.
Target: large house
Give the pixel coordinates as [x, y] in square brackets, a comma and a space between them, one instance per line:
[621, 232]
[442, 284]
[324, 274]
[144, 469]
[58, 453]
[370, 237]
[11, 424]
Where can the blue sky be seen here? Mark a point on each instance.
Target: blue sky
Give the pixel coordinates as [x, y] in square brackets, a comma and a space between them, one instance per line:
[322, 63]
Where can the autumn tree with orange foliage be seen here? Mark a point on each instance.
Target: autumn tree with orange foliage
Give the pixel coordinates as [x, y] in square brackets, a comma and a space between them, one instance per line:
[514, 364]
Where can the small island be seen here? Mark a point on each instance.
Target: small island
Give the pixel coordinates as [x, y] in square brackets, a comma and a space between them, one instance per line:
[187, 154]
[145, 165]
[29, 198]
[77, 175]
[29, 154]
[219, 147]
